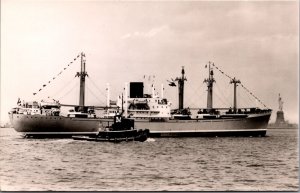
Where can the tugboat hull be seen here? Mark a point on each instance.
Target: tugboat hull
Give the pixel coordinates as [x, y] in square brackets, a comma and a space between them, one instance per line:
[117, 136]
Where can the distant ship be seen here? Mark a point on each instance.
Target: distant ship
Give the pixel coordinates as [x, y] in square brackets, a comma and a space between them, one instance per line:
[148, 110]
[280, 122]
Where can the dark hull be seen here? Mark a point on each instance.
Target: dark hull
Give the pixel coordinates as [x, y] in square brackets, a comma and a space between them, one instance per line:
[253, 125]
[51, 126]
[117, 136]
[236, 133]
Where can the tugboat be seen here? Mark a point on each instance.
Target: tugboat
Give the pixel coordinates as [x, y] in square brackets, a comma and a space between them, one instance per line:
[121, 130]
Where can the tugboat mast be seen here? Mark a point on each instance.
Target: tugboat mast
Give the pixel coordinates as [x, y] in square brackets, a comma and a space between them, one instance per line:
[234, 82]
[181, 88]
[210, 81]
[82, 74]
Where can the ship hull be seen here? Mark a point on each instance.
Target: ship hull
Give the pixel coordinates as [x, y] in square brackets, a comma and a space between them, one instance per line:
[211, 133]
[53, 126]
[57, 126]
[253, 125]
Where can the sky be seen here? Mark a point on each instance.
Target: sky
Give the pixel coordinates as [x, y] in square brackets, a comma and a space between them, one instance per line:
[124, 41]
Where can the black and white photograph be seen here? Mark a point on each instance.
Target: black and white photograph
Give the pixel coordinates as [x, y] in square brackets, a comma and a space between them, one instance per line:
[149, 95]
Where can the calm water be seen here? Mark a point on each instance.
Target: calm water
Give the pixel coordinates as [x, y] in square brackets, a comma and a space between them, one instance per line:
[199, 164]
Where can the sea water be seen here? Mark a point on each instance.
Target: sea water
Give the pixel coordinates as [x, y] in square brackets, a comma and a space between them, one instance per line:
[159, 164]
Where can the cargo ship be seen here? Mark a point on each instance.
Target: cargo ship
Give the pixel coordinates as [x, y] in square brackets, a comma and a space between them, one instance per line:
[149, 111]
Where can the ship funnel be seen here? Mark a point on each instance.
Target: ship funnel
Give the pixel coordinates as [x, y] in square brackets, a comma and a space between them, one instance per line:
[136, 90]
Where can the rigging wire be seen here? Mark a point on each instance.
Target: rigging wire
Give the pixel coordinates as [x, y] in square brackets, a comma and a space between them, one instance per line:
[70, 87]
[221, 98]
[244, 98]
[114, 92]
[197, 96]
[101, 92]
[76, 85]
[249, 98]
[222, 101]
[241, 85]
[63, 87]
[101, 101]
[51, 80]
[225, 97]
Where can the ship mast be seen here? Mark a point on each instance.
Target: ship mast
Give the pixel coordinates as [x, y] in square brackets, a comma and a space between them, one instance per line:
[82, 74]
[210, 81]
[181, 88]
[234, 82]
